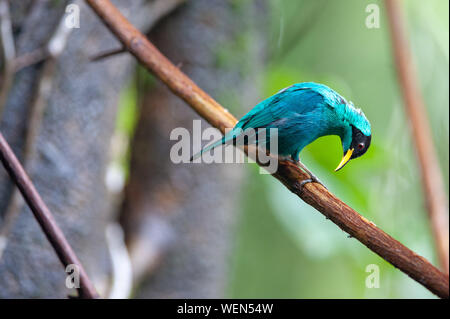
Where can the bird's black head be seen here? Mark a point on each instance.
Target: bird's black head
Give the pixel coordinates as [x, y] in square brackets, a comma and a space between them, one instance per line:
[360, 143]
[358, 146]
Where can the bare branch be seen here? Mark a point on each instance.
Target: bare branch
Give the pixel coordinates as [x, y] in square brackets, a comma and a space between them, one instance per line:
[53, 49]
[289, 174]
[50, 53]
[433, 185]
[44, 217]
[34, 123]
[158, 9]
[106, 54]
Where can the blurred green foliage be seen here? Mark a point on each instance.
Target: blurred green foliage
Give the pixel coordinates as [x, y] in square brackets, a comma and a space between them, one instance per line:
[283, 247]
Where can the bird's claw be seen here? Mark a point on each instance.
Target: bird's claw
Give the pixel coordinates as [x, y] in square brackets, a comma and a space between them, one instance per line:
[304, 182]
[318, 181]
[311, 179]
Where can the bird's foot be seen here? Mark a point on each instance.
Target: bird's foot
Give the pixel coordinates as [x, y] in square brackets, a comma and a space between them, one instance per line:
[312, 178]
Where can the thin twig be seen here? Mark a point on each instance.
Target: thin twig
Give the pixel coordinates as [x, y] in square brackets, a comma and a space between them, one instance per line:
[34, 123]
[433, 185]
[30, 58]
[106, 54]
[52, 49]
[154, 11]
[51, 52]
[288, 173]
[44, 217]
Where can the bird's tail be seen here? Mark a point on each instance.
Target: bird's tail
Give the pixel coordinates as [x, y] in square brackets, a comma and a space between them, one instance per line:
[226, 138]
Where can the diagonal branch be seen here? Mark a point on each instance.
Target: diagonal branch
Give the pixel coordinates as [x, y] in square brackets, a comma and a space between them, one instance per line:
[288, 173]
[44, 217]
[433, 185]
[50, 53]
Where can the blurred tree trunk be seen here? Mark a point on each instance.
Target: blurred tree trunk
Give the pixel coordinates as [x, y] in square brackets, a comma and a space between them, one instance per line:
[214, 43]
[72, 149]
[178, 218]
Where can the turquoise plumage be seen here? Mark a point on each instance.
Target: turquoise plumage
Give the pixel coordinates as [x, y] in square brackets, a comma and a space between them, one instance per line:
[302, 113]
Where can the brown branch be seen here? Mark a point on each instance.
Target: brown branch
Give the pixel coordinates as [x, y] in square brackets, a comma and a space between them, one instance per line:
[44, 217]
[289, 174]
[107, 54]
[34, 123]
[50, 53]
[433, 185]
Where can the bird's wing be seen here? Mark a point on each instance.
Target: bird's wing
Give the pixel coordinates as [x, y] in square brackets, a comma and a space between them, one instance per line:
[292, 101]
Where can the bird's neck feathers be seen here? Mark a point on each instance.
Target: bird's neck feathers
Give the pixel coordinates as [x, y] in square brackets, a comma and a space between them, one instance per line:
[356, 118]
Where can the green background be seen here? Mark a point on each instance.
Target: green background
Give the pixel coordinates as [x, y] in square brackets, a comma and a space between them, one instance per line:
[283, 247]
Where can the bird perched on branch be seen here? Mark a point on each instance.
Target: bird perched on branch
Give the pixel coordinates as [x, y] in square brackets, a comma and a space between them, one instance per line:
[301, 113]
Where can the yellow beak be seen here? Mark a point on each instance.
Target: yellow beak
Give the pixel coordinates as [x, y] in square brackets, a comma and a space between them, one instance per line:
[345, 159]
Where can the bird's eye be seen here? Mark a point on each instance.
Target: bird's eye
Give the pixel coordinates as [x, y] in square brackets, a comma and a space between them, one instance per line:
[360, 146]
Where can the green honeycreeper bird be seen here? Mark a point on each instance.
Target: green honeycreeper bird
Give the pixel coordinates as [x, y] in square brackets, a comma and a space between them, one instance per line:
[302, 113]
